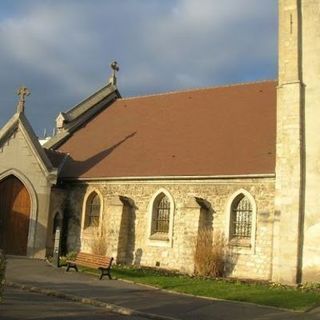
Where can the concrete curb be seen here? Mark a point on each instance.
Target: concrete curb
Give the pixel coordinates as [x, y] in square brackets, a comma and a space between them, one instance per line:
[96, 303]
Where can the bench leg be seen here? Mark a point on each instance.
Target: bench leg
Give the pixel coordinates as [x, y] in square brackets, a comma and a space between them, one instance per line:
[71, 265]
[104, 272]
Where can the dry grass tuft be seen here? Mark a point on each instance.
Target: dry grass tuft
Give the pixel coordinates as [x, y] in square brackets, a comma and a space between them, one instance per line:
[99, 241]
[210, 254]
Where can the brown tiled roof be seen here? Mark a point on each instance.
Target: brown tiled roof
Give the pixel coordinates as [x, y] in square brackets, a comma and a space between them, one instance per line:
[215, 131]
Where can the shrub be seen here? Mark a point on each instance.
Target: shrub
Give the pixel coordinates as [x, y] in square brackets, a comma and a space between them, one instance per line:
[2, 272]
[63, 259]
[310, 286]
[71, 255]
[210, 254]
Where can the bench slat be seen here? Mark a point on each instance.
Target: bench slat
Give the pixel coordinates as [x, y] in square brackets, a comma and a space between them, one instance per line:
[92, 261]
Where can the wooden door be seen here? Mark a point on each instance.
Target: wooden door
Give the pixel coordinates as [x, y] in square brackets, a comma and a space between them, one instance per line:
[14, 216]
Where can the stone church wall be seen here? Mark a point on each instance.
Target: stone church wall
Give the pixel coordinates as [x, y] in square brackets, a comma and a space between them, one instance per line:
[311, 78]
[126, 214]
[57, 209]
[17, 158]
[297, 236]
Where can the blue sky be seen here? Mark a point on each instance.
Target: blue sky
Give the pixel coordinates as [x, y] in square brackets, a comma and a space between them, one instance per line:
[61, 49]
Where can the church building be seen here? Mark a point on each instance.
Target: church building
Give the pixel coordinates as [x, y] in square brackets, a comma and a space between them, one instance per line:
[150, 173]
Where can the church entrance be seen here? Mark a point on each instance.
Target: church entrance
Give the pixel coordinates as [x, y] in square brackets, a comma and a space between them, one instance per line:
[14, 216]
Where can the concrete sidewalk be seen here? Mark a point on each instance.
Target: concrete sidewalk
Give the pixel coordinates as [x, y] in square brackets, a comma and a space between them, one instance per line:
[127, 298]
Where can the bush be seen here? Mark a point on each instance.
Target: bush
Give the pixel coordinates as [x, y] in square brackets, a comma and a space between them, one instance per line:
[2, 272]
[210, 256]
[71, 255]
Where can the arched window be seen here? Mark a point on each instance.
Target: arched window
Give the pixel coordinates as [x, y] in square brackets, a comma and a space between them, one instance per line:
[241, 219]
[160, 215]
[93, 206]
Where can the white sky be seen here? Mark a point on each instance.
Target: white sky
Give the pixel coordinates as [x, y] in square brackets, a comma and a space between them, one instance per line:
[61, 49]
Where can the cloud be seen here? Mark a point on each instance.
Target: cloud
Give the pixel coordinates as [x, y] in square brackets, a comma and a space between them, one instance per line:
[214, 36]
[211, 42]
[61, 49]
[46, 41]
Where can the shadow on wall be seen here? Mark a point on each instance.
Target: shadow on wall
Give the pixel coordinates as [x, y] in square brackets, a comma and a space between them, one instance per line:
[71, 241]
[212, 254]
[203, 259]
[127, 237]
[137, 257]
[55, 223]
[231, 262]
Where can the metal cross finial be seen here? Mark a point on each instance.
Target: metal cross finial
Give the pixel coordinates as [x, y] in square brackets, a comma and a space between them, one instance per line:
[115, 68]
[22, 93]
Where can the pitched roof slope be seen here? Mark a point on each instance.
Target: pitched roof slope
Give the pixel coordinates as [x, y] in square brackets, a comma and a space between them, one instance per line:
[215, 131]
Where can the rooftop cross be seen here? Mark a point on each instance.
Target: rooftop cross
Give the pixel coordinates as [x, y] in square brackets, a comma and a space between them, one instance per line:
[22, 93]
[115, 68]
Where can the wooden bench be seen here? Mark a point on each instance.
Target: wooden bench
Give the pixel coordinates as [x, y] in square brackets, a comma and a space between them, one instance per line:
[102, 263]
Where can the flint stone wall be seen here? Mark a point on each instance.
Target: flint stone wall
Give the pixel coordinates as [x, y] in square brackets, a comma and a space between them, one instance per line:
[126, 215]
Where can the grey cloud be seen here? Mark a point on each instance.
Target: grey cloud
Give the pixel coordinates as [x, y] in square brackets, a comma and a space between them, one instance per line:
[61, 49]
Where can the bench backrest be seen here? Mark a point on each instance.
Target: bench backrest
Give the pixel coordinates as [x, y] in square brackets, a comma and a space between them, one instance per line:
[93, 260]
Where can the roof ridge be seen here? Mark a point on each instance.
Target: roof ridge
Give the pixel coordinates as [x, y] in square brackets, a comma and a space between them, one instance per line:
[195, 89]
[90, 97]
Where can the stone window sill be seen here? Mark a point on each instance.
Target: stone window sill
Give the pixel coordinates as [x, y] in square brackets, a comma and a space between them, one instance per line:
[242, 246]
[159, 236]
[160, 240]
[244, 243]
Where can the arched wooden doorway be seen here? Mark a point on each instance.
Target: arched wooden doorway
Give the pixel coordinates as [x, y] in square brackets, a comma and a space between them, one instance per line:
[14, 216]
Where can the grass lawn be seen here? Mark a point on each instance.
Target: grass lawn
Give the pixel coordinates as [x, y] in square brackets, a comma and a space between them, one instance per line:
[288, 298]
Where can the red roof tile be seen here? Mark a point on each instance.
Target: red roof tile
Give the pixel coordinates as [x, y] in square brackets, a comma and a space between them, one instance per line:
[216, 131]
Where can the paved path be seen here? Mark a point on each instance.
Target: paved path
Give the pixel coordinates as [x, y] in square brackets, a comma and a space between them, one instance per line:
[135, 299]
[25, 305]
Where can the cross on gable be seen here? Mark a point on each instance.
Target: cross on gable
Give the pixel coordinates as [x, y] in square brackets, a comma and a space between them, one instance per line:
[115, 68]
[22, 93]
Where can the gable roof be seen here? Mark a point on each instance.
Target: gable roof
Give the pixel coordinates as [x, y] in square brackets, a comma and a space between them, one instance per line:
[69, 121]
[206, 132]
[18, 120]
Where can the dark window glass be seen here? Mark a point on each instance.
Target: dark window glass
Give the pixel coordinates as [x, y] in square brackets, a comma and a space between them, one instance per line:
[161, 214]
[93, 210]
[241, 218]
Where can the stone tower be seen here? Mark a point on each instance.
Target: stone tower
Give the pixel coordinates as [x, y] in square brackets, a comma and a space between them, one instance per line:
[296, 256]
